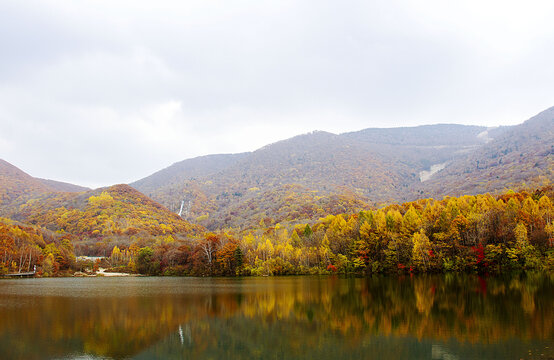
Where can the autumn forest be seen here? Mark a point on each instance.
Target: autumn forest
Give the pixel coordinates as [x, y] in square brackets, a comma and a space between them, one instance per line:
[482, 234]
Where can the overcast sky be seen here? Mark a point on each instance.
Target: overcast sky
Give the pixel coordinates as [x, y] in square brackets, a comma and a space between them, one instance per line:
[104, 92]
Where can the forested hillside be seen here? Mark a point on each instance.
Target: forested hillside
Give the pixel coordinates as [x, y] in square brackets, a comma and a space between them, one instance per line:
[62, 225]
[469, 233]
[16, 186]
[423, 146]
[282, 204]
[115, 215]
[480, 233]
[44, 221]
[521, 156]
[62, 186]
[377, 165]
[321, 162]
[170, 179]
[117, 210]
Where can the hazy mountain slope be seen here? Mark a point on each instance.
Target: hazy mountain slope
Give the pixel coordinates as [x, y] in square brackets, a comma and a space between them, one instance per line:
[426, 135]
[382, 165]
[187, 170]
[17, 186]
[325, 163]
[422, 146]
[318, 160]
[378, 163]
[523, 155]
[62, 186]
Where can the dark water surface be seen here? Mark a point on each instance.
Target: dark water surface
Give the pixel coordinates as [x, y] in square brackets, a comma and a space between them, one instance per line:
[422, 317]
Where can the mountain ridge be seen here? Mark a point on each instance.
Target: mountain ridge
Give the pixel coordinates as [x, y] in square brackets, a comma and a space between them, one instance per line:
[523, 155]
[350, 171]
[380, 165]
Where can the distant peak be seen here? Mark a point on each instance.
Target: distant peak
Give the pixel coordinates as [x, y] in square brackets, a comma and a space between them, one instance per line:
[313, 135]
[320, 132]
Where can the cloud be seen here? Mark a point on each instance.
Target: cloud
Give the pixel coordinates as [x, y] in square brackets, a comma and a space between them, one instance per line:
[99, 92]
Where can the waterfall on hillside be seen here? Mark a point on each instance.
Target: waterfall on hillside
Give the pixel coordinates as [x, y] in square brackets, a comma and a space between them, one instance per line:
[184, 210]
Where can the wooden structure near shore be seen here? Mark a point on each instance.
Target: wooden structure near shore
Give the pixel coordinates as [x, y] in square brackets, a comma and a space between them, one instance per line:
[22, 274]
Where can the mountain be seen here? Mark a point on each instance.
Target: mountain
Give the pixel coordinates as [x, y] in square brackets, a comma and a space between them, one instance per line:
[319, 161]
[94, 217]
[374, 165]
[188, 169]
[522, 156]
[16, 185]
[99, 219]
[62, 186]
[168, 184]
[423, 146]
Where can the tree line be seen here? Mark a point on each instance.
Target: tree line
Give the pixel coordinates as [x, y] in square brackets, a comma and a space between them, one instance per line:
[481, 233]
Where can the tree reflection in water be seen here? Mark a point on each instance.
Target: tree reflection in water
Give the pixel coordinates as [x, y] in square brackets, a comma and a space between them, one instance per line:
[421, 317]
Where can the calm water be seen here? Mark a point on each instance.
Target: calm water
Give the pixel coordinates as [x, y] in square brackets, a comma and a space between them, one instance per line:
[423, 317]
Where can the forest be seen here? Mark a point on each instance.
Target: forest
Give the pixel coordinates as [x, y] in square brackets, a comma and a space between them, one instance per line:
[483, 234]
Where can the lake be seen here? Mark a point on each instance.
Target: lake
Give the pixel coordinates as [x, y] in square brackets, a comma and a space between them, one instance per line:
[384, 317]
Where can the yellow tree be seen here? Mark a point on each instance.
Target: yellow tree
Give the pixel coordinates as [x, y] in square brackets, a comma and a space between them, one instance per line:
[325, 252]
[549, 229]
[421, 250]
[115, 257]
[520, 233]
[411, 221]
[546, 209]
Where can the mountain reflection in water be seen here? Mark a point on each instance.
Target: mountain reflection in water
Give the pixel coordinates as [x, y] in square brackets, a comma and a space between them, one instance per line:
[421, 317]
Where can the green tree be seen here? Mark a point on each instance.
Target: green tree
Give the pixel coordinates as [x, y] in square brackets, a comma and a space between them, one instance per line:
[308, 231]
[239, 260]
[146, 264]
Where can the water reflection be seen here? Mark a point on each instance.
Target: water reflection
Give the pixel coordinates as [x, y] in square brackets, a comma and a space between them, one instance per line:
[423, 317]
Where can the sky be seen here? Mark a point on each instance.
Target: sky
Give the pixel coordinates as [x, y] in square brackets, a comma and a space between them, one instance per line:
[103, 92]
